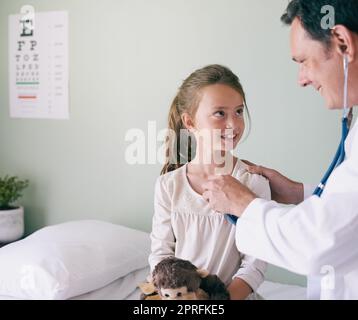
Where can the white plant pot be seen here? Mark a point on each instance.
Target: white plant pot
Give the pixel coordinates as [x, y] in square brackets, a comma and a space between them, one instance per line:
[11, 225]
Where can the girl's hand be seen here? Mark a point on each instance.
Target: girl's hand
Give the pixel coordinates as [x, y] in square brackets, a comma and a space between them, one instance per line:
[226, 194]
[283, 190]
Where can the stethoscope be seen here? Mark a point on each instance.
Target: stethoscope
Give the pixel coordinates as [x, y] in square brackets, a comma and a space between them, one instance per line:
[340, 154]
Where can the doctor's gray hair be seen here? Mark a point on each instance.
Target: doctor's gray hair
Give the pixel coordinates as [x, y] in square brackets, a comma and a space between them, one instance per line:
[310, 14]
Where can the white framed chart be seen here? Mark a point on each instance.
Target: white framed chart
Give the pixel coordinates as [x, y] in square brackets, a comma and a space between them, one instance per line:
[38, 65]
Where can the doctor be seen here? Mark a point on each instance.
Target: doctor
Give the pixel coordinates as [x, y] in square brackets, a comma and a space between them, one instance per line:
[318, 236]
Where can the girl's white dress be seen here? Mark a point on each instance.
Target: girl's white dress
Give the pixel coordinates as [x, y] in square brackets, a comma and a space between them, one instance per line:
[185, 226]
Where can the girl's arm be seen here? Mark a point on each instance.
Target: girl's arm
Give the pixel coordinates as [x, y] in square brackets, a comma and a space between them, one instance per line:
[251, 272]
[239, 289]
[162, 236]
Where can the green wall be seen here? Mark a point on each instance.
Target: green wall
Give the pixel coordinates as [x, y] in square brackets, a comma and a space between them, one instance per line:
[127, 58]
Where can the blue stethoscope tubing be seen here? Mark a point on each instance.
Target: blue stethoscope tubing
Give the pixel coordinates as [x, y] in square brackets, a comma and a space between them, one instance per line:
[338, 159]
[340, 154]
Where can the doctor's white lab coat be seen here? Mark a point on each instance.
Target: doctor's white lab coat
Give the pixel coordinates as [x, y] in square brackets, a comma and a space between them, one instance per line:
[318, 238]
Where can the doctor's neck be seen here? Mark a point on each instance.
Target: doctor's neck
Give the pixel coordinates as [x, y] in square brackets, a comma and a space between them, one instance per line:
[354, 91]
[353, 78]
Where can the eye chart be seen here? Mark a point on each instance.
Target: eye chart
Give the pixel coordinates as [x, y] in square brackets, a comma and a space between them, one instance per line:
[38, 66]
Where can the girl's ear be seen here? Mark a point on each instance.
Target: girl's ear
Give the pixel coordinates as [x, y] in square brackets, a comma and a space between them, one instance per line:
[187, 121]
[343, 41]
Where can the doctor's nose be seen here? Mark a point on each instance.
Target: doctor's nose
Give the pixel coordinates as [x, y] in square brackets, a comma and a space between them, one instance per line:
[303, 80]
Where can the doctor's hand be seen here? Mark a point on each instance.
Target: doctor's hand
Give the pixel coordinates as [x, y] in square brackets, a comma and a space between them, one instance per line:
[226, 194]
[283, 190]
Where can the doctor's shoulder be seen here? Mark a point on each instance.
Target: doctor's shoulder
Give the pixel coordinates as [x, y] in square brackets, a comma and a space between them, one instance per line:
[255, 182]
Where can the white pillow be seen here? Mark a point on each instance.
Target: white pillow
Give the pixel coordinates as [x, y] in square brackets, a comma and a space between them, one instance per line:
[69, 259]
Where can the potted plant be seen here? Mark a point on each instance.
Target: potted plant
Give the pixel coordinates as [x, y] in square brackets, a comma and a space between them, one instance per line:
[11, 216]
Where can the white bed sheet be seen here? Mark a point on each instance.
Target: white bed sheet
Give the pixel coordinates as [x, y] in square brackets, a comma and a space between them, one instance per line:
[126, 289]
[121, 289]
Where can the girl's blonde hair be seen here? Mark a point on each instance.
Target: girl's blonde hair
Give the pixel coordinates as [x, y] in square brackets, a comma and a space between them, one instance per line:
[187, 101]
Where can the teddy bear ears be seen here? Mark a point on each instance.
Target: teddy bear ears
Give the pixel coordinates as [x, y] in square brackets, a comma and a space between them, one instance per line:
[202, 273]
[147, 288]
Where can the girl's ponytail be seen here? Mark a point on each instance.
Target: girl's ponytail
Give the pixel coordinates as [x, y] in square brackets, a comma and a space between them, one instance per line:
[174, 157]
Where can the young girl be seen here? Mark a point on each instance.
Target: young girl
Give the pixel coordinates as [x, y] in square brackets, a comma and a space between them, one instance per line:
[210, 100]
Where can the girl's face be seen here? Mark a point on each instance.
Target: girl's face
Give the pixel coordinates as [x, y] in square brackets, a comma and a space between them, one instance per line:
[218, 123]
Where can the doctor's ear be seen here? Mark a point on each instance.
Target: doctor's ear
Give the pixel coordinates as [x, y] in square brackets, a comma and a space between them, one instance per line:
[343, 42]
[188, 121]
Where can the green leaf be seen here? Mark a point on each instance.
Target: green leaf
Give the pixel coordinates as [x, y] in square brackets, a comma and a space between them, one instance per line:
[11, 190]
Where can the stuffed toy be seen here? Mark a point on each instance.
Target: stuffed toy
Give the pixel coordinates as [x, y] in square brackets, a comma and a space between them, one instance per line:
[177, 279]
